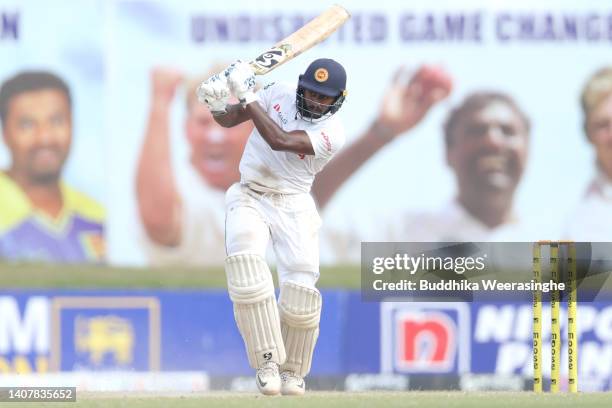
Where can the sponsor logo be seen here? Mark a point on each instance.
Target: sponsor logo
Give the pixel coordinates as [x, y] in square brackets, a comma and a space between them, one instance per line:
[425, 341]
[281, 115]
[368, 382]
[505, 331]
[94, 244]
[26, 332]
[425, 338]
[101, 335]
[261, 383]
[24, 335]
[105, 332]
[271, 57]
[328, 144]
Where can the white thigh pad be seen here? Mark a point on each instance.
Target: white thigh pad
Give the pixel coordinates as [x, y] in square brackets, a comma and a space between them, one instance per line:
[300, 313]
[252, 291]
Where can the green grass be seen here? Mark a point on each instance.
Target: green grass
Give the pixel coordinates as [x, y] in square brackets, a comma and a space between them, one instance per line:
[345, 400]
[29, 275]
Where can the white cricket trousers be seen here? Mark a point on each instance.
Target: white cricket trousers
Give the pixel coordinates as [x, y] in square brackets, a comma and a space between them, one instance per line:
[290, 220]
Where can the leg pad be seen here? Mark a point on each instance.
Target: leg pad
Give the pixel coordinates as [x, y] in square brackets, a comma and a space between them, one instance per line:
[251, 289]
[300, 313]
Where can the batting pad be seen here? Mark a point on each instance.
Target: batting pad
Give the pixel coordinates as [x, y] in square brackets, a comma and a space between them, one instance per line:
[251, 289]
[300, 313]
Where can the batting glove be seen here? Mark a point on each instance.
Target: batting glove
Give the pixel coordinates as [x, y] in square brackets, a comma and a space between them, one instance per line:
[214, 92]
[241, 79]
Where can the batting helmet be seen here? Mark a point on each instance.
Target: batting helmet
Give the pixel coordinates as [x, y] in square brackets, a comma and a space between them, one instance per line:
[326, 77]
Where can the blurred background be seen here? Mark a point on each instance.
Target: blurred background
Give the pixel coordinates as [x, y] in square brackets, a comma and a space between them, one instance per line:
[482, 121]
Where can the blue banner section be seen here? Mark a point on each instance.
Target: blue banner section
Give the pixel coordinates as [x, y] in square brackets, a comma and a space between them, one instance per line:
[195, 330]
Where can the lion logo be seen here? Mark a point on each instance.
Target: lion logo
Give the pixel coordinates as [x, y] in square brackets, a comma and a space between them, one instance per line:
[321, 75]
[105, 335]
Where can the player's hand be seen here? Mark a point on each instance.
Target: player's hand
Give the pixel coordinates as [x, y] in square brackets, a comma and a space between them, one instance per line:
[241, 79]
[406, 104]
[165, 82]
[214, 92]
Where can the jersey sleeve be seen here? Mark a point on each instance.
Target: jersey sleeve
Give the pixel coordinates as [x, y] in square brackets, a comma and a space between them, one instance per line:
[265, 95]
[327, 140]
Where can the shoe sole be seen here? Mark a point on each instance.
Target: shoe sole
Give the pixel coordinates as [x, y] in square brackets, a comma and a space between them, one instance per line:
[293, 393]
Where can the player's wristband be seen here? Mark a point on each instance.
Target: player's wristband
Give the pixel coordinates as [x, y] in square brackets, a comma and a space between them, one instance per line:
[219, 113]
[248, 97]
[217, 107]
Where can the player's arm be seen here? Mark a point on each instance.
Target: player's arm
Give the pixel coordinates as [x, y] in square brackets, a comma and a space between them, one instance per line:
[241, 80]
[159, 203]
[295, 141]
[403, 107]
[233, 115]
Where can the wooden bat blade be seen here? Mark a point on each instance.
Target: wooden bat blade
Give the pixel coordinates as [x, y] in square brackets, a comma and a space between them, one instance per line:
[312, 33]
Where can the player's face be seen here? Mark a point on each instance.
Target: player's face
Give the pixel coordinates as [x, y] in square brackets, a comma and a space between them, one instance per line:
[599, 130]
[215, 150]
[488, 151]
[317, 103]
[38, 131]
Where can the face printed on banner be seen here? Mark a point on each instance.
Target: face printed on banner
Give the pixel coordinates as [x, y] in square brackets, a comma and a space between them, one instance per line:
[599, 130]
[215, 150]
[38, 131]
[488, 150]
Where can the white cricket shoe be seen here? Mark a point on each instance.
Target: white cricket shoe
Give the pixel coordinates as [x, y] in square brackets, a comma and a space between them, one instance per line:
[292, 384]
[267, 379]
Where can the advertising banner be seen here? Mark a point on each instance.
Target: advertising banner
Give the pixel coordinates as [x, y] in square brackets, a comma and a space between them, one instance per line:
[53, 157]
[469, 119]
[391, 344]
[410, 181]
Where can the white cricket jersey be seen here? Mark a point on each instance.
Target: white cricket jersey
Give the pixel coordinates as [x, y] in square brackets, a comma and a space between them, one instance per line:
[285, 172]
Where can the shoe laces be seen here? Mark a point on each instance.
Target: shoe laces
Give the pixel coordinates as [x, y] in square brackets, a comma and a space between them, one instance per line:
[289, 375]
[268, 369]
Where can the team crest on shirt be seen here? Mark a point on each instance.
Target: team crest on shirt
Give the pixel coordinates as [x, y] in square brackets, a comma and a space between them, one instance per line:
[93, 244]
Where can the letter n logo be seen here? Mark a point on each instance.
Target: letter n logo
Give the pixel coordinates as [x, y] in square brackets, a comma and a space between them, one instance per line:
[426, 341]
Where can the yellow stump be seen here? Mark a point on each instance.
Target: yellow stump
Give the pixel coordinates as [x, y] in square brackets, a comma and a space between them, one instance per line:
[572, 333]
[555, 327]
[537, 321]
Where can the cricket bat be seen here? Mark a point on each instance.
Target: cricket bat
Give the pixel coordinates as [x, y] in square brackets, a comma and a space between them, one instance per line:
[315, 31]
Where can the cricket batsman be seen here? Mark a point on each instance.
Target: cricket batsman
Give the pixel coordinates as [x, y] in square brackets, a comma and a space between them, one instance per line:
[295, 135]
